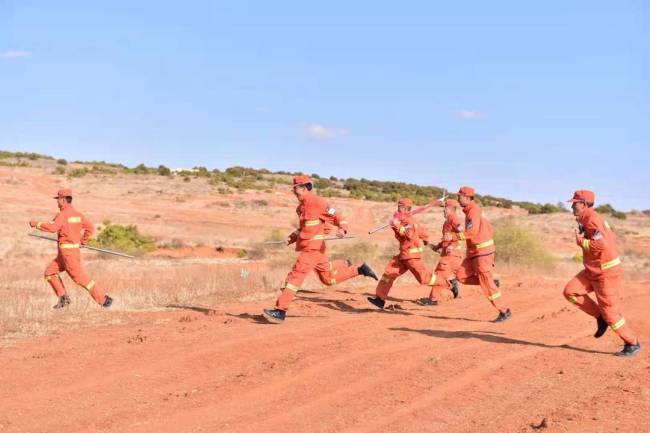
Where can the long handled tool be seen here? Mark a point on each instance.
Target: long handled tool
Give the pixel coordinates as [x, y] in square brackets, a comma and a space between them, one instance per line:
[101, 250]
[326, 239]
[416, 211]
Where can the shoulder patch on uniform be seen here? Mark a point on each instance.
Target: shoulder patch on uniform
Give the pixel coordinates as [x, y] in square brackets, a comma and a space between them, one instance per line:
[597, 236]
[330, 211]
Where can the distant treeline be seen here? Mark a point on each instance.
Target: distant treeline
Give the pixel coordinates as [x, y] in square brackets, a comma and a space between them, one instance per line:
[242, 178]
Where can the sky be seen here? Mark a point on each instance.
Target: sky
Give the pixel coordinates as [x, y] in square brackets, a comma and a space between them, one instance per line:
[525, 100]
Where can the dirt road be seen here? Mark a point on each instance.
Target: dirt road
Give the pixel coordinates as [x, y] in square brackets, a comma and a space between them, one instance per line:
[337, 365]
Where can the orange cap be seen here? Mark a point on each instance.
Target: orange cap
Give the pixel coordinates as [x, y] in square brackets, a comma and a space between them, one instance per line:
[301, 179]
[583, 195]
[467, 191]
[450, 202]
[63, 193]
[405, 202]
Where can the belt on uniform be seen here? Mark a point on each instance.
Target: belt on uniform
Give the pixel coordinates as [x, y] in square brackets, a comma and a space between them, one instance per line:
[485, 244]
[68, 246]
[610, 264]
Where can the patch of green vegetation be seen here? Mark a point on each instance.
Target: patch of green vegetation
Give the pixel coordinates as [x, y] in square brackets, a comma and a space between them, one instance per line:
[164, 171]
[520, 245]
[4, 154]
[608, 209]
[126, 239]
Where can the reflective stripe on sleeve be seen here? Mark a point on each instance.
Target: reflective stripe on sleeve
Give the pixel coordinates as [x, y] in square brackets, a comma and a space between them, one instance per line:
[73, 220]
[310, 223]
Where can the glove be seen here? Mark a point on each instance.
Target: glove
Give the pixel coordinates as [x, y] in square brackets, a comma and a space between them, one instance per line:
[33, 223]
[341, 232]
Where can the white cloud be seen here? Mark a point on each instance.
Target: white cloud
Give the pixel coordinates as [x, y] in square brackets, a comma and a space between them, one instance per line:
[322, 132]
[15, 54]
[471, 114]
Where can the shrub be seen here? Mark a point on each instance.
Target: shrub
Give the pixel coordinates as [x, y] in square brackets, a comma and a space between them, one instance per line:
[123, 238]
[59, 170]
[355, 250]
[141, 169]
[164, 171]
[609, 210]
[519, 245]
[78, 172]
[62, 162]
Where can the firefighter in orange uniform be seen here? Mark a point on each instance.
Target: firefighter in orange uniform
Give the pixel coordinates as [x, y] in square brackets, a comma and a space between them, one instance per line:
[411, 237]
[603, 273]
[451, 254]
[314, 213]
[476, 268]
[69, 224]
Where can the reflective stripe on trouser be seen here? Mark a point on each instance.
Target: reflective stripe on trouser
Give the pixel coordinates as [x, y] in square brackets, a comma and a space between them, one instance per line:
[56, 283]
[330, 273]
[397, 267]
[606, 291]
[69, 260]
[477, 271]
[445, 271]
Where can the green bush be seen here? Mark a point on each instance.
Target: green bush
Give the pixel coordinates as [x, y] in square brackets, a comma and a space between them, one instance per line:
[520, 245]
[126, 239]
[164, 171]
[141, 169]
[608, 209]
[62, 162]
[59, 170]
[78, 172]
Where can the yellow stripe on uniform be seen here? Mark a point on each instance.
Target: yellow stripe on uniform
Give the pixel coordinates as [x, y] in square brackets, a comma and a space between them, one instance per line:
[291, 287]
[585, 244]
[402, 230]
[461, 235]
[90, 285]
[433, 280]
[618, 325]
[68, 246]
[73, 220]
[494, 296]
[611, 263]
[573, 300]
[385, 279]
[416, 250]
[309, 223]
[485, 244]
[317, 238]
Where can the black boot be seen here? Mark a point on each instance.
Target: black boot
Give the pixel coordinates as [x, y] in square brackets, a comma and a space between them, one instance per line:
[367, 271]
[377, 302]
[455, 288]
[630, 349]
[108, 301]
[502, 317]
[497, 283]
[427, 302]
[602, 327]
[64, 301]
[275, 315]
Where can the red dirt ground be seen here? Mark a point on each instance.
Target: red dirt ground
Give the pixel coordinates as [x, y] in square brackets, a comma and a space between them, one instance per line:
[338, 365]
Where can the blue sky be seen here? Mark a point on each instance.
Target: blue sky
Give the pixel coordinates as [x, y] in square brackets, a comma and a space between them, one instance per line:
[528, 100]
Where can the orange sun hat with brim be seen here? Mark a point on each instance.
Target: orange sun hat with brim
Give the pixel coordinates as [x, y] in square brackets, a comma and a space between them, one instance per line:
[301, 180]
[62, 193]
[467, 191]
[583, 195]
[405, 202]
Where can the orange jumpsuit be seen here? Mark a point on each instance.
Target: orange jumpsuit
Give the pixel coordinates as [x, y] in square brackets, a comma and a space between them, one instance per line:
[410, 236]
[314, 214]
[451, 254]
[476, 268]
[68, 224]
[603, 274]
